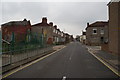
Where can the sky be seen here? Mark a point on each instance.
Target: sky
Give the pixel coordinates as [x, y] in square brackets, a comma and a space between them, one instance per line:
[70, 16]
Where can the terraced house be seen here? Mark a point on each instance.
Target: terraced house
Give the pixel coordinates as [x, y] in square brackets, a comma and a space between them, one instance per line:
[97, 33]
[55, 34]
[43, 31]
[19, 29]
[47, 33]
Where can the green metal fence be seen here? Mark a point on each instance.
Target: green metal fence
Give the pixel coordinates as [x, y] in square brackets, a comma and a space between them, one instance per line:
[33, 45]
[31, 41]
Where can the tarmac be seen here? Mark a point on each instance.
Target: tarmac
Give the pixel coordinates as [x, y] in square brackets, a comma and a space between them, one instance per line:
[113, 60]
[19, 63]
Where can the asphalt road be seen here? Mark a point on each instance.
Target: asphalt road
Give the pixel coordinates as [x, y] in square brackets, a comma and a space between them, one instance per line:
[74, 61]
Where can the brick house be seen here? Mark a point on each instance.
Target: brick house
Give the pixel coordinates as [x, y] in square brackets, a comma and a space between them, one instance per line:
[19, 28]
[67, 38]
[43, 29]
[114, 27]
[52, 33]
[83, 37]
[55, 35]
[58, 36]
[62, 37]
[71, 38]
[97, 33]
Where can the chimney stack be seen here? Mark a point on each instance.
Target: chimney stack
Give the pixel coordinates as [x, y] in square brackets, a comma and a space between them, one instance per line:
[51, 23]
[55, 26]
[25, 19]
[44, 20]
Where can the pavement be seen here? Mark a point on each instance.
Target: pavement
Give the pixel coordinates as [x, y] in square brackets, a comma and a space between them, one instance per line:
[73, 61]
[58, 47]
[113, 60]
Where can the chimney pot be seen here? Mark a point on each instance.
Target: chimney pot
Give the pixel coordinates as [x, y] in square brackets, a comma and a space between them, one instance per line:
[87, 24]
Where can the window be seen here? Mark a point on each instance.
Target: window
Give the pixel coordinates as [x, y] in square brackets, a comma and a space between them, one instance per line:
[54, 30]
[102, 39]
[102, 31]
[61, 34]
[94, 31]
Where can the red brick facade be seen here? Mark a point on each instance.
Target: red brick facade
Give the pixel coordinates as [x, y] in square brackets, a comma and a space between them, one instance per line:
[19, 28]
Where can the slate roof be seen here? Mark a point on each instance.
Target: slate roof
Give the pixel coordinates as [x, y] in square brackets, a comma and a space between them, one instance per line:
[17, 23]
[41, 24]
[98, 24]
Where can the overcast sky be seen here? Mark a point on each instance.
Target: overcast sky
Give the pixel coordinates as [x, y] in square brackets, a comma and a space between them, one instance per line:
[70, 17]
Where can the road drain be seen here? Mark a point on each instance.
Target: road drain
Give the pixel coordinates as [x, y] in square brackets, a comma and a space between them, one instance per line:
[64, 78]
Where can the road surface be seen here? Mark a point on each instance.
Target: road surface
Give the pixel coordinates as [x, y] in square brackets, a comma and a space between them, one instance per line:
[73, 61]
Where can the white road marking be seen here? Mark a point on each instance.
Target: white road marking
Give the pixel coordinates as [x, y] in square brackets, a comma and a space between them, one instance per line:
[64, 77]
[70, 56]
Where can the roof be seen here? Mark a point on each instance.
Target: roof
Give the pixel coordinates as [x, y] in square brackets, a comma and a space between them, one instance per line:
[113, 1]
[55, 26]
[66, 34]
[98, 24]
[58, 30]
[16, 23]
[41, 24]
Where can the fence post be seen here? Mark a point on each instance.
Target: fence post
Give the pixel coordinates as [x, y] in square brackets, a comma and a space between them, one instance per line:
[12, 46]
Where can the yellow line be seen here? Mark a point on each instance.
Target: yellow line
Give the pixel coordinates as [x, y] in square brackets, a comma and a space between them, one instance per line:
[31, 63]
[110, 67]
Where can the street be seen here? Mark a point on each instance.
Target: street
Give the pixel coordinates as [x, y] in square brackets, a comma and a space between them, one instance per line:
[73, 61]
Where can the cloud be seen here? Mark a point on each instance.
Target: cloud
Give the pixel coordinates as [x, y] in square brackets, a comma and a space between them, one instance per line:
[57, 0]
[70, 17]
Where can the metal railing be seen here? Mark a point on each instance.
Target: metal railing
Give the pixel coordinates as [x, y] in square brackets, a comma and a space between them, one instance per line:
[11, 57]
[15, 58]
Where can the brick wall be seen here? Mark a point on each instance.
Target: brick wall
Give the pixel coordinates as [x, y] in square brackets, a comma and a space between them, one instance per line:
[19, 32]
[95, 39]
[105, 47]
[113, 27]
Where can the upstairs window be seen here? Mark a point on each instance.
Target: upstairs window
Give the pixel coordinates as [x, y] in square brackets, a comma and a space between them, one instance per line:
[102, 31]
[94, 31]
[54, 30]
